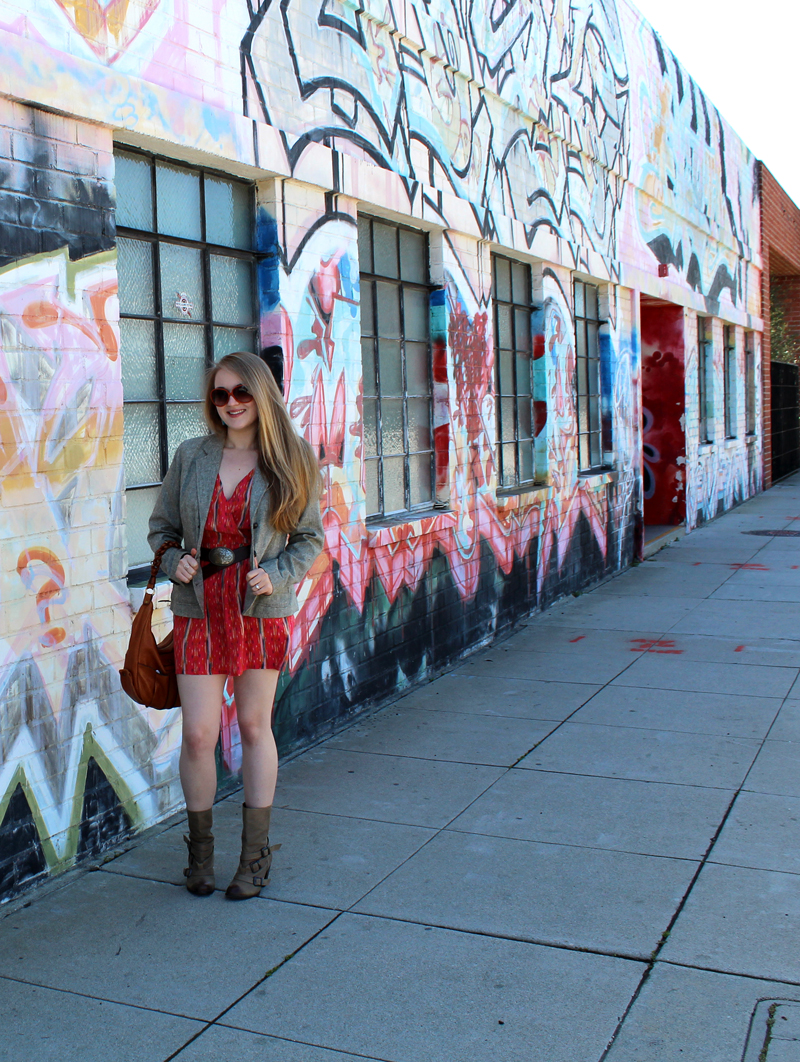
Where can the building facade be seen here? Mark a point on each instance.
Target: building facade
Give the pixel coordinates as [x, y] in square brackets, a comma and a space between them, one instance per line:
[505, 261]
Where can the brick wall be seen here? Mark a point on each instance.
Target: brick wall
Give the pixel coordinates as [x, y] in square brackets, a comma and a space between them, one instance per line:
[780, 252]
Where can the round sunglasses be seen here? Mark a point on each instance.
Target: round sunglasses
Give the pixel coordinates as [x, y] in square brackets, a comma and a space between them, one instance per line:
[220, 396]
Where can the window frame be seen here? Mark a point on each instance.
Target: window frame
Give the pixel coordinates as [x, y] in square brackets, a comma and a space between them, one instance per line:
[729, 379]
[515, 397]
[155, 240]
[705, 360]
[750, 383]
[382, 515]
[581, 324]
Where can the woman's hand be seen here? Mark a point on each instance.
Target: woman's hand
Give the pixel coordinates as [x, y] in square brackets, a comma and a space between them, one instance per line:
[187, 567]
[259, 581]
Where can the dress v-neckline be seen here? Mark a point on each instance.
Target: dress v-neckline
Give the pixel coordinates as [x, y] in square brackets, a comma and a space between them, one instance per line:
[241, 481]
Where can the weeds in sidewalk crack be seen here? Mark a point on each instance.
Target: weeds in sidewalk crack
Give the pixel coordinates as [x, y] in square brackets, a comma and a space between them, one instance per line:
[762, 1055]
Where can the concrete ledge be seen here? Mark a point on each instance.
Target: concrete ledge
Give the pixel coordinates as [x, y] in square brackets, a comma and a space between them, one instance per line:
[665, 539]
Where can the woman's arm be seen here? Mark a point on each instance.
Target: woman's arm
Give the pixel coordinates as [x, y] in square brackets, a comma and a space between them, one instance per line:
[302, 548]
[165, 522]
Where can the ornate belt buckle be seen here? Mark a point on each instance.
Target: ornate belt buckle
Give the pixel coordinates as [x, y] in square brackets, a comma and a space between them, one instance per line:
[221, 557]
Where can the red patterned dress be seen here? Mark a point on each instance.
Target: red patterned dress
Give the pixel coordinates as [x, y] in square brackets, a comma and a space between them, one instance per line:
[225, 642]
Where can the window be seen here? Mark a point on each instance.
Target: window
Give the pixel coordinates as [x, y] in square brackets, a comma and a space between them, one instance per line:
[511, 295]
[396, 363]
[750, 382]
[729, 382]
[186, 293]
[587, 376]
[705, 380]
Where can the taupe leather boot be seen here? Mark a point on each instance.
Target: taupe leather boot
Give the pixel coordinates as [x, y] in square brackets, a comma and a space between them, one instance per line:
[200, 842]
[256, 857]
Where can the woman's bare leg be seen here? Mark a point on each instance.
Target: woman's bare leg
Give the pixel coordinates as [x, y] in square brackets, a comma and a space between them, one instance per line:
[201, 700]
[254, 692]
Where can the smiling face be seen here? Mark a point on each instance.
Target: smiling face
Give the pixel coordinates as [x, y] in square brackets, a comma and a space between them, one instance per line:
[235, 415]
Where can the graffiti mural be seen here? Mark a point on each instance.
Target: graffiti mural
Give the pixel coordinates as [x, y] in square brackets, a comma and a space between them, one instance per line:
[561, 132]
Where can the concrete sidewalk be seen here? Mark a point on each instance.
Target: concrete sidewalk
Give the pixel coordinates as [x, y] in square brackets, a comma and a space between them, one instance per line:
[587, 835]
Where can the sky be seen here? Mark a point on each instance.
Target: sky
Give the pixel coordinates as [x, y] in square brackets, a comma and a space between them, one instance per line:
[746, 58]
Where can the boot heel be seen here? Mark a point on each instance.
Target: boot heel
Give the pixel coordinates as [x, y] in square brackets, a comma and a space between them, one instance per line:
[200, 842]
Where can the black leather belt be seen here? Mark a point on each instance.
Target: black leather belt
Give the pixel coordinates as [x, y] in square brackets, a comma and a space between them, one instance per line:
[220, 557]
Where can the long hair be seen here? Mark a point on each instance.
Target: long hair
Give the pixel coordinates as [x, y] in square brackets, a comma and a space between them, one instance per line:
[285, 459]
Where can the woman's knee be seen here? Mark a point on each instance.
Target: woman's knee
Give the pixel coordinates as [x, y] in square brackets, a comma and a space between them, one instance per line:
[199, 741]
[255, 731]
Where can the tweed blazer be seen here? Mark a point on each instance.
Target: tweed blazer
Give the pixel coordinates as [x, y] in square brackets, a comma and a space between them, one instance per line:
[180, 515]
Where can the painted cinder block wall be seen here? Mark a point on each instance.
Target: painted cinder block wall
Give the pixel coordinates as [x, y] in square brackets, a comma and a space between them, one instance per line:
[568, 138]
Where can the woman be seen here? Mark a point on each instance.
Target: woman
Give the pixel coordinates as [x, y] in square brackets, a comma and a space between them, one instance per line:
[245, 503]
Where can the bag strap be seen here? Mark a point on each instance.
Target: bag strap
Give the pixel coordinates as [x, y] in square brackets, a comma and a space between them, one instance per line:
[149, 589]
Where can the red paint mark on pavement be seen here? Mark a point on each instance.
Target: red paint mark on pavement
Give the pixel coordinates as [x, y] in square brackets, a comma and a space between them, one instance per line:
[655, 645]
[578, 638]
[696, 563]
[739, 649]
[749, 567]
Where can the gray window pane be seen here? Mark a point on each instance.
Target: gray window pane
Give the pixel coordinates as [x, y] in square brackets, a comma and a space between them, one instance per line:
[419, 424]
[368, 366]
[525, 420]
[594, 378]
[391, 367]
[415, 314]
[420, 479]
[591, 301]
[184, 421]
[580, 338]
[525, 462]
[178, 201]
[184, 361]
[522, 329]
[392, 426]
[583, 451]
[133, 180]
[592, 339]
[182, 282]
[418, 381]
[509, 464]
[580, 304]
[412, 256]
[384, 249]
[231, 290]
[367, 316]
[370, 427]
[504, 337]
[505, 367]
[141, 436]
[583, 416]
[388, 303]
[502, 277]
[520, 288]
[373, 495]
[583, 377]
[138, 355]
[365, 246]
[229, 340]
[393, 490]
[524, 378]
[594, 413]
[135, 276]
[138, 509]
[595, 456]
[228, 213]
[507, 417]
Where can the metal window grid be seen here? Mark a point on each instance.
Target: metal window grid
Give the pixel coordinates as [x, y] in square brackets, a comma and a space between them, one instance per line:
[155, 240]
[729, 382]
[750, 378]
[587, 383]
[397, 370]
[512, 306]
[705, 360]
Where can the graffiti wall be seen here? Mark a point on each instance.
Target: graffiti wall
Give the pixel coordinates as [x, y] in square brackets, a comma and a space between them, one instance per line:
[557, 131]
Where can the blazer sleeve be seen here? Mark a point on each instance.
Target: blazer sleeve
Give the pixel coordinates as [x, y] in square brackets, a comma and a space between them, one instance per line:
[165, 522]
[303, 546]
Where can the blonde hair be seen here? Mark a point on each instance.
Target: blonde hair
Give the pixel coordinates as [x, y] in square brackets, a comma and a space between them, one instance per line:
[286, 460]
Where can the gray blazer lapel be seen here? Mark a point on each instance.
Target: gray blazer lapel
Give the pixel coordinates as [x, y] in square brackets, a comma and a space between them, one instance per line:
[207, 470]
[257, 494]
